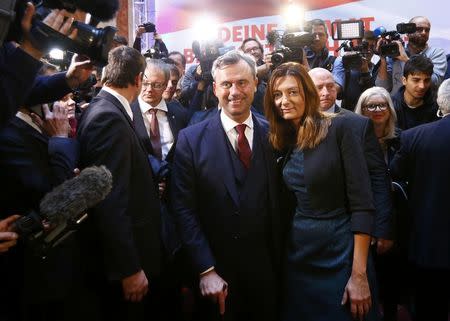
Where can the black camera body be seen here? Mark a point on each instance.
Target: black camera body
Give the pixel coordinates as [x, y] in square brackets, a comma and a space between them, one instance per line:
[289, 46]
[354, 55]
[155, 53]
[390, 48]
[206, 54]
[95, 43]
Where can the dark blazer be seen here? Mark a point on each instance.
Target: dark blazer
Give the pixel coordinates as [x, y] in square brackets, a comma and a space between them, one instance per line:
[31, 164]
[123, 234]
[379, 177]
[336, 175]
[423, 161]
[203, 189]
[178, 118]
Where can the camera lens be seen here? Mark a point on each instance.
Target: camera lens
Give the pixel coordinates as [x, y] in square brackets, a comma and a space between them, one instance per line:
[277, 58]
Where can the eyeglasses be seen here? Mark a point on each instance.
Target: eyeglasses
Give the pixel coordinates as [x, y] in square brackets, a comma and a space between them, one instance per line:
[373, 107]
[154, 85]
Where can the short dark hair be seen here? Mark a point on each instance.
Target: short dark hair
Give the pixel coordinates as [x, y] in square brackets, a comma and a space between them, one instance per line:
[418, 64]
[120, 40]
[124, 64]
[183, 58]
[316, 22]
[252, 39]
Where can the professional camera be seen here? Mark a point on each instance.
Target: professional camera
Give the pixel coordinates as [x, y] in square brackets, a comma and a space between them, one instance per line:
[351, 31]
[90, 41]
[155, 53]
[390, 48]
[206, 54]
[149, 27]
[288, 46]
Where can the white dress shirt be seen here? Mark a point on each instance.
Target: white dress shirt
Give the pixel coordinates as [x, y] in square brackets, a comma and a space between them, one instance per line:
[121, 98]
[165, 133]
[232, 134]
[27, 118]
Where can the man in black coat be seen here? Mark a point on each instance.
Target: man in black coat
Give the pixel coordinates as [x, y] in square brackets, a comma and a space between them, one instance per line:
[225, 199]
[363, 128]
[423, 161]
[122, 239]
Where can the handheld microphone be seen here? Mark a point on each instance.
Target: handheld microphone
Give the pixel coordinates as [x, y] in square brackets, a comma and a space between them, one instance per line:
[64, 208]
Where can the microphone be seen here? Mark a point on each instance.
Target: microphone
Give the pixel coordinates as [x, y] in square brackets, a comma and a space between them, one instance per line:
[344, 44]
[379, 31]
[64, 208]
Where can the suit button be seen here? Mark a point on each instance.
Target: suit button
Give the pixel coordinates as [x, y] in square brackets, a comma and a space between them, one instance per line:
[236, 237]
[236, 212]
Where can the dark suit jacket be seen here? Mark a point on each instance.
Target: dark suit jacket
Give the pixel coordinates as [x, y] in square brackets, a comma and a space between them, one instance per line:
[363, 128]
[178, 119]
[336, 175]
[123, 234]
[423, 161]
[31, 164]
[204, 193]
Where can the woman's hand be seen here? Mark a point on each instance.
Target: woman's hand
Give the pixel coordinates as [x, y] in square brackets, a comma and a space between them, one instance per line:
[357, 292]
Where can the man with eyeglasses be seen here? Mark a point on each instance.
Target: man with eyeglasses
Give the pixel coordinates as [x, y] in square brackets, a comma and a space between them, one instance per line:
[362, 128]
[391, 69]
[414, 102]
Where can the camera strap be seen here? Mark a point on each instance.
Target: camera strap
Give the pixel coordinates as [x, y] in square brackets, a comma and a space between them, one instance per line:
[7, 15]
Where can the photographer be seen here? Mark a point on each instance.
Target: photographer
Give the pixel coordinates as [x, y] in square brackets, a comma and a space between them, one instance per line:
[19, 63]
[159, 44]
[352, 82]
[391, 69]
[317, 53]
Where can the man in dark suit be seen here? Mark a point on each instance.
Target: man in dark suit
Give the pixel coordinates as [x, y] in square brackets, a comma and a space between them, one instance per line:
[363, 128]
[122, 240]
[33, 160]
[224, 198]
[423, 161]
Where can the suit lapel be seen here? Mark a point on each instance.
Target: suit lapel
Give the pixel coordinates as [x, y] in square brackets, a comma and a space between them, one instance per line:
[216, 140]
[139, 127]
[24, 127]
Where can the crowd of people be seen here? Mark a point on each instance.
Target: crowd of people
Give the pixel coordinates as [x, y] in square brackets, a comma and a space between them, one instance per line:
[303, 191]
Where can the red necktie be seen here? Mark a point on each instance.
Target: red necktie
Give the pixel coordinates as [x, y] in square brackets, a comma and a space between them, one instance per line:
[244, 152]
[155, 138]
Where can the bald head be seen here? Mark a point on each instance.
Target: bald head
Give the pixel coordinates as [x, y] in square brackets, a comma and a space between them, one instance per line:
[419, 39]
[326, 87]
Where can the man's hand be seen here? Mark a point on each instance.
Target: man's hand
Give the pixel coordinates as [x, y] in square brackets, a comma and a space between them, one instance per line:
[214, 287]
[78, 72]
[7, 238]
[139, 31]
[402, 56]
[357, 292]
[162, 188]
[135, 287]
[56, 20]
[56, 123]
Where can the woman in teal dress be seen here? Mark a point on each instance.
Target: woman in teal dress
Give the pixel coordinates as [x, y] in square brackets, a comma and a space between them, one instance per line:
[329, 274]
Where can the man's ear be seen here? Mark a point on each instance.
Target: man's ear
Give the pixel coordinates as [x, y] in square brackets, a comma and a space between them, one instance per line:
[256, 84]
[214, 88]
[138, 79]
[404, 80]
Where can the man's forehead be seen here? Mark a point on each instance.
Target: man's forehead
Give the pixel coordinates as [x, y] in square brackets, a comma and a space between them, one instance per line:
[422, 22]
[318, 28]
[419, 75]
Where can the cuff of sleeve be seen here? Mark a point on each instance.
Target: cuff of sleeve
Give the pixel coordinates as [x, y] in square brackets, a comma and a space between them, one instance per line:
[362, 222]
[206, 271]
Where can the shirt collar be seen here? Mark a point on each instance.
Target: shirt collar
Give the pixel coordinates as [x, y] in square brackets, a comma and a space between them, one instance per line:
[146, 107]
[229, 124]
[332, 109]
[27, 118]
[121, 98]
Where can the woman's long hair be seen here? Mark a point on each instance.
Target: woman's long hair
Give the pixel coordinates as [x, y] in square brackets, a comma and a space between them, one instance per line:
[313, 126]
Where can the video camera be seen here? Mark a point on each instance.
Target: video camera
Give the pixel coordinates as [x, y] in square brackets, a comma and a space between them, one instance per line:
[90, 41]
[349, 31]
[288, 45]
[206, 54]
[390, 48]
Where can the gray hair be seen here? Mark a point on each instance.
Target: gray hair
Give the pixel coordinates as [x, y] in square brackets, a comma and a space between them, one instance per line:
[231, 58]
[443, 97]
[159, 65]
[389, 131]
